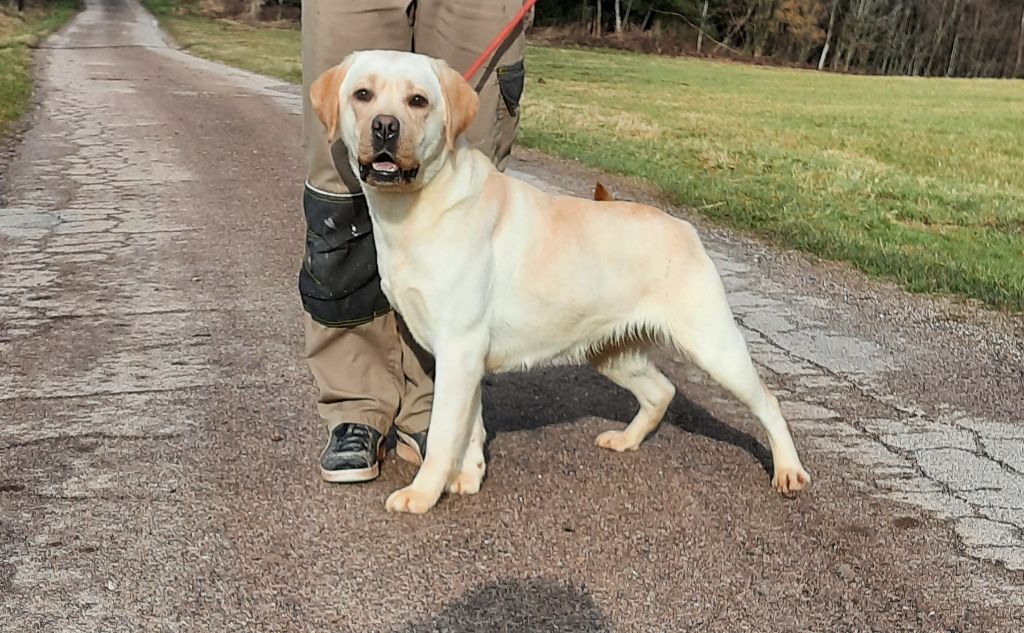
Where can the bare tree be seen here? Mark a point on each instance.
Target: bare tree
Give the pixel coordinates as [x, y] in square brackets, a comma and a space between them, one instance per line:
[828, 34]
[1020, 46]
[703, 26]
[956, 39]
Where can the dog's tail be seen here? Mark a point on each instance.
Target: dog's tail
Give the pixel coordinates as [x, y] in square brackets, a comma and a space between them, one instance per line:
[602, 194]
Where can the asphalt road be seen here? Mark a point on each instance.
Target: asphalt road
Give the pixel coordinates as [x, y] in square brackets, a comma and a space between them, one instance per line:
[158, 439]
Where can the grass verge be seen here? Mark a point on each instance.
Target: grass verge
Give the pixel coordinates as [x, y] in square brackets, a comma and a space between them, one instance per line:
[18, 33]
[261, 49]
[916, 180]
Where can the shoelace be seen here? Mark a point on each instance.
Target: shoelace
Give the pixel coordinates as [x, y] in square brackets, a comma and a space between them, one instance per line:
[355, 438]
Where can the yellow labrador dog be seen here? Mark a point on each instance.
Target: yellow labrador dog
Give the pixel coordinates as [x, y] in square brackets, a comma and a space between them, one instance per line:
[494, 275]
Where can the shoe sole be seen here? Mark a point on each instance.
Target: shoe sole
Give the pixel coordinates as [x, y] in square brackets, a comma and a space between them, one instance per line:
[407, 449]
[350, 476]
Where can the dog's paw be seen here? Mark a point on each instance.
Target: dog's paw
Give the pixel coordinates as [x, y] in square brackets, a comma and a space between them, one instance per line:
[617, 441]
[469, 480]
[410, 500]
[790, 479]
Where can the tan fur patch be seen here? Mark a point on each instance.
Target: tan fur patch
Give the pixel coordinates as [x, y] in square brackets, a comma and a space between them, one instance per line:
[461, 102]
[323, 94]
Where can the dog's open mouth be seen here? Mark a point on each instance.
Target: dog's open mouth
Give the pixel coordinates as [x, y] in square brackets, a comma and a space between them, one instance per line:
[383, 169]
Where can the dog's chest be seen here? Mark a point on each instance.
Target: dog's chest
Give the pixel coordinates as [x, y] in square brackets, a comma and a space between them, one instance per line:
[433, 275]
[407, 290]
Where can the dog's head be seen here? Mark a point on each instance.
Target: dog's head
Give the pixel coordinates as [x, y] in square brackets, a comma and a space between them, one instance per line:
[398, 114]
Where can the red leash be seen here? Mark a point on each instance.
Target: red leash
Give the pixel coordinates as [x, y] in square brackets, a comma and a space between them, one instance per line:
[499, 39]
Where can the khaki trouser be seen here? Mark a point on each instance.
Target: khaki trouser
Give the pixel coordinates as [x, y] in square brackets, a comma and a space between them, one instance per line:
[373, 373]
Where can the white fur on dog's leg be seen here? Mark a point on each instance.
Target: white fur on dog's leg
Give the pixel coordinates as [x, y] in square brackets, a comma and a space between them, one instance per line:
[710, 337]
[620, 441]
[471, 474]
[454, 419]
[629, 367]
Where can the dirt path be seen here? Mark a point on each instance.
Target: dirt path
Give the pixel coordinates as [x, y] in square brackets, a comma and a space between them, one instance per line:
[158, 441]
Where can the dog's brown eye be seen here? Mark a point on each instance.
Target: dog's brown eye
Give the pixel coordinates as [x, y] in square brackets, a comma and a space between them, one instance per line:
[418, 101]
[362, 94]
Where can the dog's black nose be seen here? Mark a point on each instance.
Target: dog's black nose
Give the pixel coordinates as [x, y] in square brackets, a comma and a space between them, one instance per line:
[385, 128]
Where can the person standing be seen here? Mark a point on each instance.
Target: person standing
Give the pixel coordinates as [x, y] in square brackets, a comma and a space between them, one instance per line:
[370, 374]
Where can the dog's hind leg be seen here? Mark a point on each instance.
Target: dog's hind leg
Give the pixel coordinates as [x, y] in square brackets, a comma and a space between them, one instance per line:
[629, 367]
[706, 331]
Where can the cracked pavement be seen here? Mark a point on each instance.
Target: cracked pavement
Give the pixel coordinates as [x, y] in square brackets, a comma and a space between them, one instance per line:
[158, 438]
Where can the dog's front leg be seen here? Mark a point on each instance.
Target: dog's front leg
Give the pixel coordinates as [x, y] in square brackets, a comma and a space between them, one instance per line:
[459, 371]
[473, 464]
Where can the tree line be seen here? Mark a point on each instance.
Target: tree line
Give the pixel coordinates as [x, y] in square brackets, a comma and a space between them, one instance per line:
[953, 38]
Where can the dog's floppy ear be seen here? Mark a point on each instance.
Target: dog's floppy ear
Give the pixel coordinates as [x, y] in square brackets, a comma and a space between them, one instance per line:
[460, 102]
[323, 94]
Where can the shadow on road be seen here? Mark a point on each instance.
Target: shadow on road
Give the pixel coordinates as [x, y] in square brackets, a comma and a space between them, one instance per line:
[517, 606]
[518, 402]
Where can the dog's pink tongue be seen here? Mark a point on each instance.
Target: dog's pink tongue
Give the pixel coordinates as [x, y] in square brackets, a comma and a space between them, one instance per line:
[385, 166]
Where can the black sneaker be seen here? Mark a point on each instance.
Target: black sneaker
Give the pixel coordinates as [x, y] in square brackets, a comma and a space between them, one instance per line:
[352, 454]
[411, 446]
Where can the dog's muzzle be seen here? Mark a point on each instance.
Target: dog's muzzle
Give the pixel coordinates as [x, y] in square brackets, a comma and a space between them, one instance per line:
[383, 168]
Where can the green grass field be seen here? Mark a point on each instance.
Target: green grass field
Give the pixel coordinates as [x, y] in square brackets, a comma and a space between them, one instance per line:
[921, 181]
[18, 32]
[270, 51]
[916, 180]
